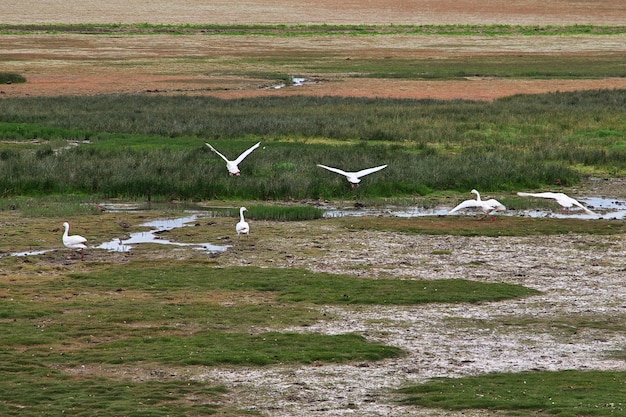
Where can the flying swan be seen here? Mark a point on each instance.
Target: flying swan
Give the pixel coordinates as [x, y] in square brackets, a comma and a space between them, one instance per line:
[74, 241]
[490, 206]
[565, 201]
[242, 228]
[353, 177]
[232, 166]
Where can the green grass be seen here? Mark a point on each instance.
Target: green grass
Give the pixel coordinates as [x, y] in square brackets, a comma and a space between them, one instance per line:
[472, 226]
[309, 30]
[141, 146]
[295, 285]
[11, 78]
[219, 348]
[565, 393]
[280, 213]
[500, 66]
[34, 390]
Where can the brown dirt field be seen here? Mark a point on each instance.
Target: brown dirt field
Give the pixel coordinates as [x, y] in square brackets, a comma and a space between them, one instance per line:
[382, 12]
[87, 64]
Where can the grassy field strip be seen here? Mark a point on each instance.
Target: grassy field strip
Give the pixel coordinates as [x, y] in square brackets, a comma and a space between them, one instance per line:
[309, 30]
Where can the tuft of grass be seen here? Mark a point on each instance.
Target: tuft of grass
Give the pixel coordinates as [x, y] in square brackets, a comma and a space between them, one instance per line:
[279, 213]
[11, 78]
[564, 393]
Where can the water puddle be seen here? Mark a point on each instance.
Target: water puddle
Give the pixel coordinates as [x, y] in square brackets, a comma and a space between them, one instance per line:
[31, 252]
[153, 236]
[605, 208]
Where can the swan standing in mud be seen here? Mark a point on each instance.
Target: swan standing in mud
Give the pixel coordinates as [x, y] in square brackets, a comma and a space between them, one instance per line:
[353, 177]
[565, 201]
[74, 241]
[490, 206]
[232, 166]
[242, 228]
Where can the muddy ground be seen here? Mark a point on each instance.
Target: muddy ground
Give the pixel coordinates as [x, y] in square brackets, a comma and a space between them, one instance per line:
[578, 275]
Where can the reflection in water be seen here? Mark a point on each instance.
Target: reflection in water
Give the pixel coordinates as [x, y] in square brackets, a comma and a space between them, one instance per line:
[158, 226]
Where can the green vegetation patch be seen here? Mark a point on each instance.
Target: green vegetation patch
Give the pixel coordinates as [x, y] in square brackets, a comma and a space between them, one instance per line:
[565, 393]
[310, 30]
[297, 285]
[475, 226]
[209, 349]
[29, 389]
[150, 147]
[11, 78]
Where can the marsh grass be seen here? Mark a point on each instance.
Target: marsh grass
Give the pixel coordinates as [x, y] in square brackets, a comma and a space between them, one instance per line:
[146, 147]
[295, 285]
[281, 213]
[309, 30]
[473, 226]
[564, 393]
[33, 390]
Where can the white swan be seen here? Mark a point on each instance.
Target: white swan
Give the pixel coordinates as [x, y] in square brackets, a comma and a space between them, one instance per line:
[353, 177]
[565, 201]
[490, 206]
[74, 241]
[242, 228]
[232, 166]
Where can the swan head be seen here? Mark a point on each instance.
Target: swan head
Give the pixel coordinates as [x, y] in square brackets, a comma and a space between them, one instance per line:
[66, 225]
[241, 210]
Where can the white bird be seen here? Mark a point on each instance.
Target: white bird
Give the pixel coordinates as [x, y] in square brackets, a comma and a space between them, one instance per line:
[74, 241]
[565, 201]
[490, 206]
[242, 228]
[232, 166]
[353, 177]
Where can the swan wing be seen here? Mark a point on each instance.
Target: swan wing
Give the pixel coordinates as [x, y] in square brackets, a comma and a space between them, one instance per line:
[495, 205]
[336, 170]
[74, 240]
[246, 153]
[368, 171]
[554, 196]
[467, 204]
[581, 206]
[217, 152]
